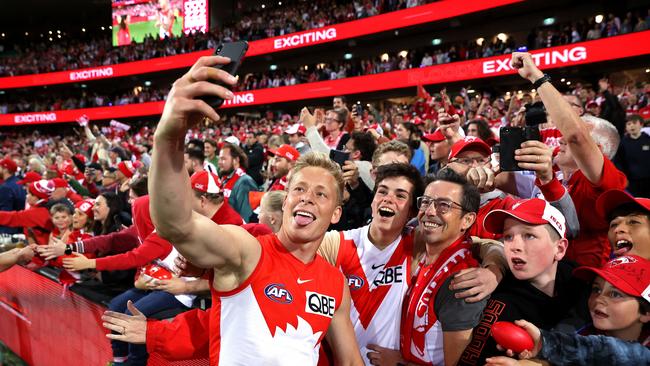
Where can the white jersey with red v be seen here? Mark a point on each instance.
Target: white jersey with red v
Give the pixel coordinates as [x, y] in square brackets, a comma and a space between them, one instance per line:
[378, 280]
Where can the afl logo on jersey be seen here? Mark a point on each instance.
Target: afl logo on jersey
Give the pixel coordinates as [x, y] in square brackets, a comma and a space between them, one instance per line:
[277, 292]
[355, 282]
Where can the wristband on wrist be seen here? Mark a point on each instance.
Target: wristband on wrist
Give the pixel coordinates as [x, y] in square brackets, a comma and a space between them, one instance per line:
[542, 80]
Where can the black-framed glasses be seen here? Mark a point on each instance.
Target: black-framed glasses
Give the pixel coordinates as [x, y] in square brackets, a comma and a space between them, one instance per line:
[471, 161]
[441, 205]
[328, 120]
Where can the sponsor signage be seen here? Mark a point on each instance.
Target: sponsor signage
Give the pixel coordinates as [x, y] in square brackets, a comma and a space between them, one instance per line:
[196, 18]
[629, 45]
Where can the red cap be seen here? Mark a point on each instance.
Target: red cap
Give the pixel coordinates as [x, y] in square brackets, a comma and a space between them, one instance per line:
[60, 183]
[42, 188]
[86, 206]
[434, 137]
[533, 211]
[9, 164]
[645, 112]
[127, 168]
[630, 274]
[29, 178]
[206, 182]
[469, 143]
[286, 151]
[614, 198]
[296, 128]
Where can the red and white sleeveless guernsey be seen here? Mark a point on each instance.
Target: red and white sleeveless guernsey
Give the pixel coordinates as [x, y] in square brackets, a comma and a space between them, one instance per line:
[378, 280]
[279, 315]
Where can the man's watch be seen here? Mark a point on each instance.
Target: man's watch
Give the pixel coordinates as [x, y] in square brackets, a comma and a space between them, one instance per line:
[542, 80]
[68, 249]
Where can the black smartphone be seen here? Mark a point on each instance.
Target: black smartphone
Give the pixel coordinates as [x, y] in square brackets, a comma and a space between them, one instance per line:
[511, 139]
[235, 51]
[359, 110]
[340, 157]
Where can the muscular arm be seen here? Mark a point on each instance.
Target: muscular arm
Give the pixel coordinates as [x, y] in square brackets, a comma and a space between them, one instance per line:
[340, 334]
[196, 237]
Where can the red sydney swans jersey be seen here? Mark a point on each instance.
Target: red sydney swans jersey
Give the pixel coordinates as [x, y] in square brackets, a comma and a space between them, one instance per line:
[378, 280]
[279, 315]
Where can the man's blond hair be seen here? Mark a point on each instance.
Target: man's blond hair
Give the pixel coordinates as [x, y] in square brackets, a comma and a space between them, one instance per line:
[320, 160]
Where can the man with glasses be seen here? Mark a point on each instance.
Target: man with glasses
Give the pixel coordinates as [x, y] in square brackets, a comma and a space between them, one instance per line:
[436, 325]
[470, 158]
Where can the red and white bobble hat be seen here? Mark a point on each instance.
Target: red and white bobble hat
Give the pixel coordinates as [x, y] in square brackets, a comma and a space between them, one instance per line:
[127, 168]
[41, 188]
[86, 206]
[206, 182]
[534, 211]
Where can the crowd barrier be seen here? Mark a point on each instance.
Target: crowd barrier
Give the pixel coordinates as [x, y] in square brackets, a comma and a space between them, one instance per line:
[47, 326]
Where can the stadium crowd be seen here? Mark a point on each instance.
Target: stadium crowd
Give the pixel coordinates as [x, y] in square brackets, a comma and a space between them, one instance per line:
[41, 57]
[254, 24]
[585, 29]
[435, 239]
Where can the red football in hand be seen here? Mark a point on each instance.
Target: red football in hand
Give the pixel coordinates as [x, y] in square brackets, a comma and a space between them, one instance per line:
[510, 336]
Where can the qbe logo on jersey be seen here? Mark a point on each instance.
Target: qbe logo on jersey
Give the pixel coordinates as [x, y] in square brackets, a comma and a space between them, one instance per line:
[319, 304]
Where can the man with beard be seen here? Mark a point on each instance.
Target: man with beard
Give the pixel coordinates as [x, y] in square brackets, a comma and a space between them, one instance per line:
[284, 161]
[255, 153]
[271, 294]
[236, 183]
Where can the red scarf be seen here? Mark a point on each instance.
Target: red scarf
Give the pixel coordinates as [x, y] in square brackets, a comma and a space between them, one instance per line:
[279, 184]
[229, 182]
[422, 294]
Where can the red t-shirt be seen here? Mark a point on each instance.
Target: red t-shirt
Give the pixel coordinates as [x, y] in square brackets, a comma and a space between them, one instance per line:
[591, 247]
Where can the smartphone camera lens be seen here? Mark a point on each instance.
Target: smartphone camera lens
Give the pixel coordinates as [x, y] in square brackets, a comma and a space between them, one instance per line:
[219, 48]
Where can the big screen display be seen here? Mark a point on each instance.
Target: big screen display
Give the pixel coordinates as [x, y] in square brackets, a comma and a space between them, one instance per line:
[135, 20]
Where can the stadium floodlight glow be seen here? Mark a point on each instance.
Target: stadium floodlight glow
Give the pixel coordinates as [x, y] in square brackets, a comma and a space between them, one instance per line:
[479, 41]
[647, 70]
[347, 56]
[50, 38]
[599, 18]
[103, 28]
[59, 36]
[3, 34]
[50, 32]
[147, 83]
[502, 37]
[568, 83]
[562, 80]
[403, 54]
[436, 41]
[471, 91]
[110, 27]
[58, 31]
[263, 6]
[26, 33]
[549, 21]
[273, 67]
[83, 29]
[279, 2]
[2, 91]
[83, 86]
[384, 57]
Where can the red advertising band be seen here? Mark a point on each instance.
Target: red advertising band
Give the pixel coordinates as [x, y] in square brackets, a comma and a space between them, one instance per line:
[380, 23]
[629, 45]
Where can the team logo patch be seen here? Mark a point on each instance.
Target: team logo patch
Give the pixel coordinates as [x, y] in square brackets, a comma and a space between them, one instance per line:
[319, 304]
[278, 293]
[355, 282]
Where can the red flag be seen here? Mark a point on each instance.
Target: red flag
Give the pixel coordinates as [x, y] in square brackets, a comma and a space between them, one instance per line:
[422, 93]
